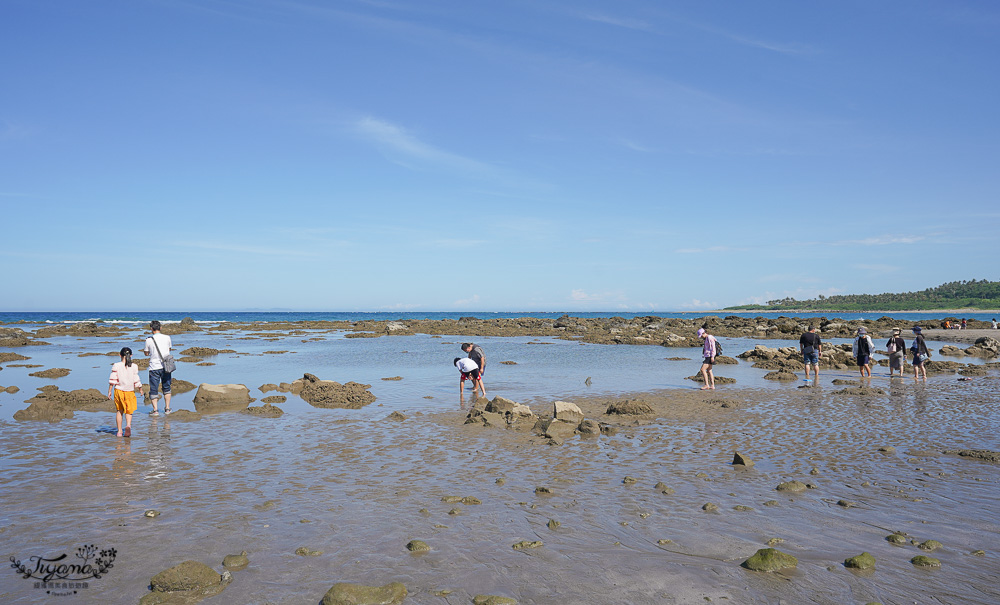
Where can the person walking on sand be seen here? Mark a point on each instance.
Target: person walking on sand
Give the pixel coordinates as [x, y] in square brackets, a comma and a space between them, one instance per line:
[896, 347]
[811, 347]
[920, 353]
[122, 384]
[708, 353]
[470, 371]
[862, 352]
[157, 348]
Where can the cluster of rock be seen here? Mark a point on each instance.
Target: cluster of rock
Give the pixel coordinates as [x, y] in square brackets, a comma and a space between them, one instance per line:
[52, 404]
[565, 421]
[325, 393]
[985, 347]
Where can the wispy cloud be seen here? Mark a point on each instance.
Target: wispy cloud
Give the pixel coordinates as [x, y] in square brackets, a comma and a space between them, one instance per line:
[625, 22]
[882, 240]
[580, 295]
[876, 268]
[474, 299]
[401, 143]
[242, 249]
[699, 304]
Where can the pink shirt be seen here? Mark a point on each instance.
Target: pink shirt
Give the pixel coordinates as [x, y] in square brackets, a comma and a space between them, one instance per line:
[125, 378]
[708, 349]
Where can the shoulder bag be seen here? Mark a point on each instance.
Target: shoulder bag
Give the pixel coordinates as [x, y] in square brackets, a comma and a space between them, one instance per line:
[169, 365]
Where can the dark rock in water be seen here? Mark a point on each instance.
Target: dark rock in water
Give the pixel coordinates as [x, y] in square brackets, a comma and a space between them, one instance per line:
[663, 488]
[629, 480]
[489, 599]
[724, 360]
[710, 507]
[987, 455]
[589, 427]
[523, 544]
[274, 399]
[791, 486]
[205, 351]
[925, 561]
[236, 562]
[781, 375]
[417, 546]
[264, 411]
[861, 391]
[188, 582]
[553, 524]
[896, 538]
[393, 378]
[344, 593]
[329, 394]
[52, 405]
[843, 382]
[863, 561]
[396, 416]
[929, 545]
[302, 551]
[151, 513]
[718, 379]
[740, 459]
[629, 407]
[51, 373]
[770, 559]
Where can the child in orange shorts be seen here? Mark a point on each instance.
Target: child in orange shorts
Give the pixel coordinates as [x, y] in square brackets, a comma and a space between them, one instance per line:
[122, 384]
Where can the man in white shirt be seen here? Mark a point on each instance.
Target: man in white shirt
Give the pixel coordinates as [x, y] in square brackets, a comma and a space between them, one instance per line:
[157, 347]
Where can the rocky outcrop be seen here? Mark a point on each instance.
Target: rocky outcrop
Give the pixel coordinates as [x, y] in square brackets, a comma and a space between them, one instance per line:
[329, 394]
[215, 398]
[188, 582]
[344, 593]
[52, 405]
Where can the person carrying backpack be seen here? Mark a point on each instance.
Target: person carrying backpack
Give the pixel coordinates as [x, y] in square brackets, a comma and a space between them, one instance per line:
[896, 347]
[862, 351]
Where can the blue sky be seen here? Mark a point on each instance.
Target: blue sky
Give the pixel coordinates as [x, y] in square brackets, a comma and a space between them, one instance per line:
[518, 155]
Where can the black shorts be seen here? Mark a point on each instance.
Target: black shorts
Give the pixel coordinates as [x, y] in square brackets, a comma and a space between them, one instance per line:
[473, 375]
[708, 361]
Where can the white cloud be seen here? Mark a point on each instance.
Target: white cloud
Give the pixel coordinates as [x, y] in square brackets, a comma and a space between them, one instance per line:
[883, 240]
[467, 301]
[397, 140]
[699, 304]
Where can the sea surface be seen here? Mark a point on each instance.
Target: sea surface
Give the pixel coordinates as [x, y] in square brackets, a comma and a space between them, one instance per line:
[215, 317]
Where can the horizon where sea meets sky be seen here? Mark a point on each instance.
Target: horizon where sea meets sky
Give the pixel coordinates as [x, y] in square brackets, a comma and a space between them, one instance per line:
[445, 155]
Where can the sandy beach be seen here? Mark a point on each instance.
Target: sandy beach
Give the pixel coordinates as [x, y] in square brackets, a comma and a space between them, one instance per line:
[620, 508]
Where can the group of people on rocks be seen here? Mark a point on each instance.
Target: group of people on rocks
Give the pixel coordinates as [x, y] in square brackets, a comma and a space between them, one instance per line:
[811, 348]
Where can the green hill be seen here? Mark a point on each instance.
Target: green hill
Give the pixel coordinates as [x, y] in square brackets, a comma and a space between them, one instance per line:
[974, 294]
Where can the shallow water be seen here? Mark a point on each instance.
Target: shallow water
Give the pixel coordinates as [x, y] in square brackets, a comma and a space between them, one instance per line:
[352, 483]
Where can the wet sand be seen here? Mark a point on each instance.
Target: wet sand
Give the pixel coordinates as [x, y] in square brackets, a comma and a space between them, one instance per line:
[358, 485]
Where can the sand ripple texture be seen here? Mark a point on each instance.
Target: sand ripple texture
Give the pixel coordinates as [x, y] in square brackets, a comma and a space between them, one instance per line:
[359, 486]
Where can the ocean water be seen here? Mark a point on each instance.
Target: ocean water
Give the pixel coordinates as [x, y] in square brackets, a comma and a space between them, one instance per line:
[215, 317]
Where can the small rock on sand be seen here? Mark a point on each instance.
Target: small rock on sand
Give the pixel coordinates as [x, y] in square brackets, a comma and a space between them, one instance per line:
[770, 559]
[344, 593]
[189, 582]
[523, 544]
[302, 551]
[214, 398]
[742, 460]
[417, 546]
[791, 486]
[567, 412]
[236, 562]
[483, 599]
[925, 561]
[264, 411]
[863, 561]
[629, 407]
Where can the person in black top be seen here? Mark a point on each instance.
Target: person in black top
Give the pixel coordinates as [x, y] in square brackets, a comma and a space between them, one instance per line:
[896, 347]
[811, 347]
[919, 348]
